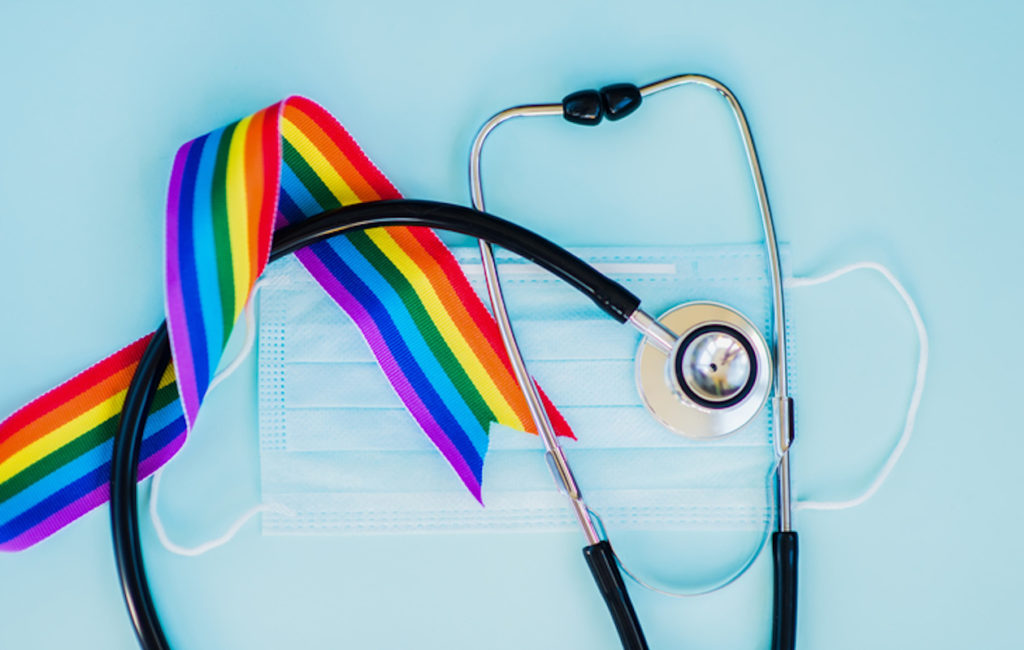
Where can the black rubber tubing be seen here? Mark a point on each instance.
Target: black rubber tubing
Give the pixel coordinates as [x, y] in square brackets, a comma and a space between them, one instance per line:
[617, 301]
[610, 296]
[124, 512]
[601, 560]
[784, 550]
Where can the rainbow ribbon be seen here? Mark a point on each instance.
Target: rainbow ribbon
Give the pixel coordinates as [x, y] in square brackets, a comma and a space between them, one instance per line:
[432, 336]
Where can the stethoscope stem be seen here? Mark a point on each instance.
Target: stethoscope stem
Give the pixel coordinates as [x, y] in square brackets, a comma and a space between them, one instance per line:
[663, 338]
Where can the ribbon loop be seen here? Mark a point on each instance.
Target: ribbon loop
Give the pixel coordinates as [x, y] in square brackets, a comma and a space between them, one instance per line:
[432, 336]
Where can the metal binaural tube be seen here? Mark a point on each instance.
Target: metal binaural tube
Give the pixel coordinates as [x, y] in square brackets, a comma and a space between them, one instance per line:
[556, 456]
[475, 153]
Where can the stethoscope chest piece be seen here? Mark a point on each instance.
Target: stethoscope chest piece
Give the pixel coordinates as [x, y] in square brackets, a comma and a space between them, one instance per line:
[715, 379]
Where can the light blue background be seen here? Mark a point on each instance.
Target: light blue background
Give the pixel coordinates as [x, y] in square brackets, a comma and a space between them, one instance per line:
[887, 131]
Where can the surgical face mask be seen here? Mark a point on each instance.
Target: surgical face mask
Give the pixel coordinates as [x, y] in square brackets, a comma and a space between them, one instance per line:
[341, 454]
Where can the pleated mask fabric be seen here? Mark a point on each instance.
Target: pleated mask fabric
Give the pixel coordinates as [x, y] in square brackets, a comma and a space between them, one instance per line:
[341, 455]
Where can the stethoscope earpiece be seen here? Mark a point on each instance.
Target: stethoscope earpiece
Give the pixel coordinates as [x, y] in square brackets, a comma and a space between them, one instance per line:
[715, 379]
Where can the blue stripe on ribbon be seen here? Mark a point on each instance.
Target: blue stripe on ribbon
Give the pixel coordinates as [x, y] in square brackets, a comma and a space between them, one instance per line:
[298, 196]
[406, 360]
[205, 249]
[391, 303]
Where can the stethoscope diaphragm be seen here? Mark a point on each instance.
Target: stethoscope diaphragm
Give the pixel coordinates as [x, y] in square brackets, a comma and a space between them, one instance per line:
[715, 379]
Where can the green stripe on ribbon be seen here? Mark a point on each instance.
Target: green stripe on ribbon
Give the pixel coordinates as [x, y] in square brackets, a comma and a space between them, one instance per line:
[309, 178]
[426, 325]
[221, 234]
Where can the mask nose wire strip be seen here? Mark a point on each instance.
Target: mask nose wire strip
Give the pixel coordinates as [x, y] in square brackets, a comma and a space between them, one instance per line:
[915, 398]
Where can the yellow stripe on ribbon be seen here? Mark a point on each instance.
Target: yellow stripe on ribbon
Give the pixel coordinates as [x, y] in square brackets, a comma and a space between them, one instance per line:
[238, 214]
[341, 190]
[451, 333]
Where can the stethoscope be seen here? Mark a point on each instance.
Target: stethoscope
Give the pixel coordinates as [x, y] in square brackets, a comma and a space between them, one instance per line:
[703, 369]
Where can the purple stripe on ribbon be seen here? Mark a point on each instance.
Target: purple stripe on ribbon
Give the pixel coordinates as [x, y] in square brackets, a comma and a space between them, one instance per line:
[59, 519]
[387, 362]
[181, 348]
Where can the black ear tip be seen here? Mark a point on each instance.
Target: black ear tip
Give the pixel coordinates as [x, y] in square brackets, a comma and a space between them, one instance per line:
[583, 107]
[620, 100]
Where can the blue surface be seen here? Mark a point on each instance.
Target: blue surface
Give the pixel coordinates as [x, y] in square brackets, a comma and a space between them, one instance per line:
[886, 132]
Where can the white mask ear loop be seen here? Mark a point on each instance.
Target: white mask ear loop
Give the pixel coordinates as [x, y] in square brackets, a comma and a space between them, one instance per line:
[154, 490]
[915, 398]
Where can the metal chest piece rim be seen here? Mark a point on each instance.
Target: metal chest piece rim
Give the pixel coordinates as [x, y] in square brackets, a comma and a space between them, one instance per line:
[716, 378]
